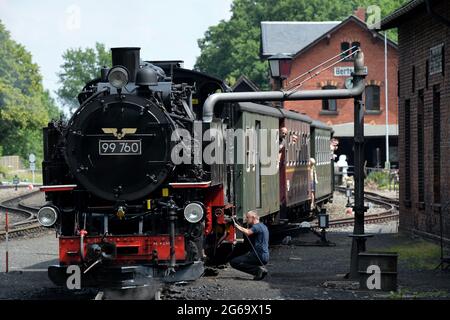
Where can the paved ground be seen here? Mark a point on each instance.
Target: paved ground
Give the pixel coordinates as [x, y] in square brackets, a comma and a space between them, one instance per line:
[295, 273]
[6, 194]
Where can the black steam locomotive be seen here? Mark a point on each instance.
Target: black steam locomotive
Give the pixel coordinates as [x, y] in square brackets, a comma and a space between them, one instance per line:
[125, 212]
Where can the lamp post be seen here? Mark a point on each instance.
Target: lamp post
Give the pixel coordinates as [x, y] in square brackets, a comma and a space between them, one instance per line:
[280, 69]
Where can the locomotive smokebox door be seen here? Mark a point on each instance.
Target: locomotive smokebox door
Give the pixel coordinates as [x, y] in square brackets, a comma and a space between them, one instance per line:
[125, 140]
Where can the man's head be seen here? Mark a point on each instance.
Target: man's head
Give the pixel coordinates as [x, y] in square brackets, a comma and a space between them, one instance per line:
[283, 132]
[312, 162]
[252, 218]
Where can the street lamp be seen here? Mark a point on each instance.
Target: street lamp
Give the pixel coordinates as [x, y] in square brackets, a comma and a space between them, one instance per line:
[280, 68]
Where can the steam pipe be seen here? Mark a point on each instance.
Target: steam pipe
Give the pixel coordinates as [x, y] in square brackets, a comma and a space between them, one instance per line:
[358, 89]
[173, 259]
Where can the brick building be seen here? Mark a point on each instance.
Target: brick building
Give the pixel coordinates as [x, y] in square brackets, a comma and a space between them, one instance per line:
[312, 43]
[424, 114]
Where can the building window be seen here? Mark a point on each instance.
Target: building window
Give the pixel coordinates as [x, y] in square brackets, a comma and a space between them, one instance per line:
[420, 148]
[329, 105]
[407, 150]
[356, 46]
[437, 143]
[437, 59]
[345, 46]
[373, 98]
[346, 52]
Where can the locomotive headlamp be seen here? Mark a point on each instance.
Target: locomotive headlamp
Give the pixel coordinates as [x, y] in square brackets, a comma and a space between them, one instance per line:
[193, 212]
[47, 216]
[118, 77]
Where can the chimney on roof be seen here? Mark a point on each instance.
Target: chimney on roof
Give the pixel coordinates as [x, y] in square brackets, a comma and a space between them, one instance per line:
[360, 13]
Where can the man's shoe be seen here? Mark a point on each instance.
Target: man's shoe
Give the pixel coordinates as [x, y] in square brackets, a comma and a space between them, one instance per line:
[262, 273]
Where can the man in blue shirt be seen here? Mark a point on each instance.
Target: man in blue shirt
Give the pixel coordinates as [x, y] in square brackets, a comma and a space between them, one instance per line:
[254, 261]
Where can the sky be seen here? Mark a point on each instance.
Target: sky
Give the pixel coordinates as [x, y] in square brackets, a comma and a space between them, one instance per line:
[164, 29]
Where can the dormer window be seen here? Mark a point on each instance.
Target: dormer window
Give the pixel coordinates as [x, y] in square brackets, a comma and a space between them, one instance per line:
[346, 52]
[345, 46]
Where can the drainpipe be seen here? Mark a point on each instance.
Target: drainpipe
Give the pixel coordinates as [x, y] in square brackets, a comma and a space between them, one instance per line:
[358, 89]
[435, 15]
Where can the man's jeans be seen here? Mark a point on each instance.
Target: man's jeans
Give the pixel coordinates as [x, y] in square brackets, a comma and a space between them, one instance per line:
[247, 263]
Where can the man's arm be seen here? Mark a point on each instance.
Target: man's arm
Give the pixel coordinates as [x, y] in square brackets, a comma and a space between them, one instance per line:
[245, 231]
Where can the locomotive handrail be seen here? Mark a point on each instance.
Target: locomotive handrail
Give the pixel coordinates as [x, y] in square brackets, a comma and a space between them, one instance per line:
[358, 89]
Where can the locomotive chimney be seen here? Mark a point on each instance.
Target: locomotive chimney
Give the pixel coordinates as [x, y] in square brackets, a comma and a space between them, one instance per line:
[128, 58]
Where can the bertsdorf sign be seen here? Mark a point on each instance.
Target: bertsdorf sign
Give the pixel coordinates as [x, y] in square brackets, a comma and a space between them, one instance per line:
[347, 71]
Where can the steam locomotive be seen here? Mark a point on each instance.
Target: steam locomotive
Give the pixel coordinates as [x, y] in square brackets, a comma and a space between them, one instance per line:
[126, 213]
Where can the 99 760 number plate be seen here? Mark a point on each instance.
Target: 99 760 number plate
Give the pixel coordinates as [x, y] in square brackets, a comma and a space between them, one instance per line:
[120, 147]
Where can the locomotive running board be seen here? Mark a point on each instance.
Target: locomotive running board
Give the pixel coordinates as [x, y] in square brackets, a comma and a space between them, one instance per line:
[190, 185]
[58, 188]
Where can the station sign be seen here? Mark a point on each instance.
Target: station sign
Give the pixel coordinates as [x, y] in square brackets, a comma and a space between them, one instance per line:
[347, 71]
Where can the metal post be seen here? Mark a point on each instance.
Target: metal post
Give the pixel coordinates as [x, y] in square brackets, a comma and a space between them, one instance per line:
[359, 238]
[386, 84]
[7, 241]
[172, 218]
[278, 86]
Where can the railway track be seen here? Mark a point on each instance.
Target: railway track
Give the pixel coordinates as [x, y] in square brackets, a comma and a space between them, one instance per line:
[391, 213]
[16, 205]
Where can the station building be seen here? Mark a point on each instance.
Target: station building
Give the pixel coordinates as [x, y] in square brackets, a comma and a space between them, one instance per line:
[424, 115]
[312, 43]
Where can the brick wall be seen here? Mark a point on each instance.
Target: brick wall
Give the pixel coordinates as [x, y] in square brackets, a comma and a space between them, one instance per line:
[373, 48]
[416, 37]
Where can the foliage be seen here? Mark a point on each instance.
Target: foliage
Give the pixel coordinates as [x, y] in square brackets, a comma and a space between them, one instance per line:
[23, 175]
[417, 254]
[80, 66]
[381, 179]
[3, 171]
[25, 107]
[232, 48]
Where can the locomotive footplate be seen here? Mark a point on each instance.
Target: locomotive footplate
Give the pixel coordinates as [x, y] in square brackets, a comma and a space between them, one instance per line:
[119, 277]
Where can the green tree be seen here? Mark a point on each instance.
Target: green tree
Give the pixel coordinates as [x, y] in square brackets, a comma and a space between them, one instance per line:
[232, 47]
[25, 107]
[80, 66]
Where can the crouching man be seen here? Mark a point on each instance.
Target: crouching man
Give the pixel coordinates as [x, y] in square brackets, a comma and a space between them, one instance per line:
[254, 261]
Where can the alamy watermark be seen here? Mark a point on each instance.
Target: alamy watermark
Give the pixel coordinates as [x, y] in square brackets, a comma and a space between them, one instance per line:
[250, 147]
[374, 280]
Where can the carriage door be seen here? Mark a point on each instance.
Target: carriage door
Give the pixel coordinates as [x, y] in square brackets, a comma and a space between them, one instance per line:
[258, 203]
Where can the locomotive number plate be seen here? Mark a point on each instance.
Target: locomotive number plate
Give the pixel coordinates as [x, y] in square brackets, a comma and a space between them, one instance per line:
[120, 147]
